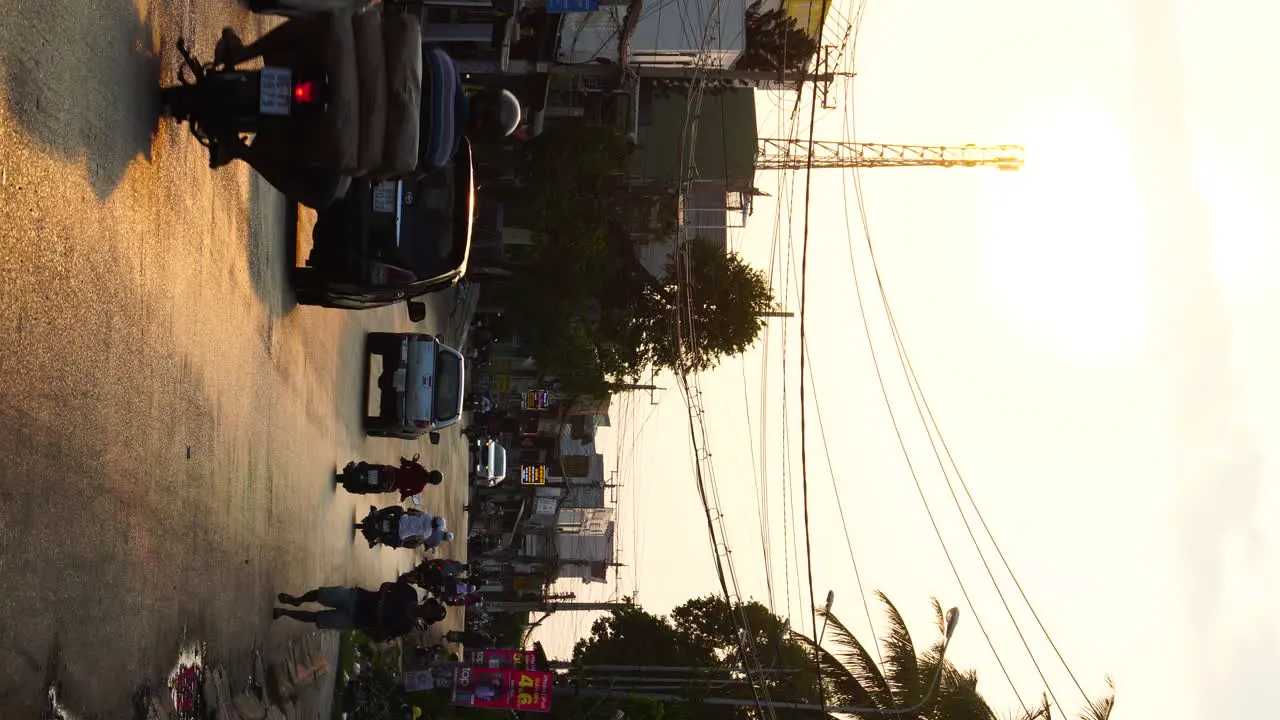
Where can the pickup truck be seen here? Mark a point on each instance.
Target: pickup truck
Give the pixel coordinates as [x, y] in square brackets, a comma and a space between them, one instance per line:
[420, 386]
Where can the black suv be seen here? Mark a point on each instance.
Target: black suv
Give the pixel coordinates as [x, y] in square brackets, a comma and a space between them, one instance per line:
[392, 241]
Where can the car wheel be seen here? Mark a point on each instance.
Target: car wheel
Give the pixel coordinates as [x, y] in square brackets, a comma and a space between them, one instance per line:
[302, 277]
[382, 342]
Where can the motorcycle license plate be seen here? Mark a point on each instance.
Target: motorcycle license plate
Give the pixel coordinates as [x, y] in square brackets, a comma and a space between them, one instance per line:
[275, 91]
[384, 196]
[373, 477]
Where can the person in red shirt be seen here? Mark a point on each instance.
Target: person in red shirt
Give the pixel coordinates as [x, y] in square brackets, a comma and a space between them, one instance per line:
[412, 478]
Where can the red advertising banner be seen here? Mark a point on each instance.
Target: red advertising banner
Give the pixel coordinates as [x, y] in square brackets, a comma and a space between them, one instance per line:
[502, 689]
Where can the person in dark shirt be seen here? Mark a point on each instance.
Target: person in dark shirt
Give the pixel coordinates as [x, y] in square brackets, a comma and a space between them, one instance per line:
[388, 612]
[412, 478]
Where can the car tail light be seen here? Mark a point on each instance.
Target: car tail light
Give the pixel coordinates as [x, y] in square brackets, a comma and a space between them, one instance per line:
[305, 92]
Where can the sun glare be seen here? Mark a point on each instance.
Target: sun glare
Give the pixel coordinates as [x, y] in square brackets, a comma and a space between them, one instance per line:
[1244, 237]
[1063, 236]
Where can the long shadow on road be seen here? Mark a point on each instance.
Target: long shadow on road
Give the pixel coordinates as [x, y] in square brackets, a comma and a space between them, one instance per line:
[81, 79]
[271, 250]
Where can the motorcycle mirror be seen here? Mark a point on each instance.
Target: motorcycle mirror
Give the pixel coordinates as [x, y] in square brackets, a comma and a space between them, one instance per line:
[415, 500]
[417, 311]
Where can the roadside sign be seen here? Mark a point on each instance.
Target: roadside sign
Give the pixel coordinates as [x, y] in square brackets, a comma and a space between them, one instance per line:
[533, 474]
[502, 689]
[568, 6]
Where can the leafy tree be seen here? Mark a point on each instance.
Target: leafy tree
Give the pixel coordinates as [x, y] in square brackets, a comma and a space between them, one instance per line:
[709, 305]
[775, 41]
[631, 636]
[704, 632]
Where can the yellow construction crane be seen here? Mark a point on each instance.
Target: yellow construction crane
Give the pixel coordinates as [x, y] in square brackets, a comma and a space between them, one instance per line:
[788, 154]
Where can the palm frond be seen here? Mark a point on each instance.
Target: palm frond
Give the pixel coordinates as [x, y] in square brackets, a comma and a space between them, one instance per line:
[1101, 708]
[1043, 711]
[957, 697]
[839, 685]
[900, 666]
[857, 662]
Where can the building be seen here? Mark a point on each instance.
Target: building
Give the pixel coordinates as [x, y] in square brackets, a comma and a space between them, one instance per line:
[672, 33]
[707, 150]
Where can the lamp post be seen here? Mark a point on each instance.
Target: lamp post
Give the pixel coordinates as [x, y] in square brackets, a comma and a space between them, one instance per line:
[826, 613]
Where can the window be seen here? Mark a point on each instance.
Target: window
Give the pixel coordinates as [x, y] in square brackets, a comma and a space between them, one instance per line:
[427, 227]
[448, 384]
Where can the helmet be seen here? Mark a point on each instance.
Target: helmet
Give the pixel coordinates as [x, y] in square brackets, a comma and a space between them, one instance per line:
[494, 113]
[435, 477]
[448, 536]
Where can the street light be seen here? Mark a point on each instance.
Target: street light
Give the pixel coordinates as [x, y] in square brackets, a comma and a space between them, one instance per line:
[826, 614]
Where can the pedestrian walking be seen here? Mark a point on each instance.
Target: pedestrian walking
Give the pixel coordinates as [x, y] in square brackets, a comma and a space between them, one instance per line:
[388, 612]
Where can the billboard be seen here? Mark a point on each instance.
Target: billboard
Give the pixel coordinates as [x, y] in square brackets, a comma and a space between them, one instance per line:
[533, 474]
[502, 688]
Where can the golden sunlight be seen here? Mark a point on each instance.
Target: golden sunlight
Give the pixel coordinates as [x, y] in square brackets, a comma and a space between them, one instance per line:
[1244, 237]
[1063, 236]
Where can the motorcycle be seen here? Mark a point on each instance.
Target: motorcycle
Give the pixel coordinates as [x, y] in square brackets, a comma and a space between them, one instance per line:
[364, 478]
[220, 103]
[382, 526]
[435, 573]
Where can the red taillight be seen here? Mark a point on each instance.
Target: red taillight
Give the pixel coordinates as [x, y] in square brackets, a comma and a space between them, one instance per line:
[305, 92]
[422, 424]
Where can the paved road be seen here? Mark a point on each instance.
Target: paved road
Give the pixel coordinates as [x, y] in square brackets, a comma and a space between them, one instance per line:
[169, 419]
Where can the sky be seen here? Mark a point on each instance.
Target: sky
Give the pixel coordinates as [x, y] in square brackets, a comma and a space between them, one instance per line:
[1094, 335]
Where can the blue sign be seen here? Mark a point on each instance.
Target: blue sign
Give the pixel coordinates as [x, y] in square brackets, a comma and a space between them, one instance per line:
[568, 6]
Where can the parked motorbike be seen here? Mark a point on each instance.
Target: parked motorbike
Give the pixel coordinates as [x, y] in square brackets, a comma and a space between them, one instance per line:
[220, 103]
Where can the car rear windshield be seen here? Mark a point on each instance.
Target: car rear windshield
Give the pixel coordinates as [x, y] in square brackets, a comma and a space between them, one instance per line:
[429, 226]
[448, 381]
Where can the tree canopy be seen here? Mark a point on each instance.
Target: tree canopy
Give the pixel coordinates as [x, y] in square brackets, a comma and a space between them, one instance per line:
[775, 41]
[586, 308]
[704, 632]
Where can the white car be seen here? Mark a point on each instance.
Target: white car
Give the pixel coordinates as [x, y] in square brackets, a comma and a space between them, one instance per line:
[420, 386]
[491, 464]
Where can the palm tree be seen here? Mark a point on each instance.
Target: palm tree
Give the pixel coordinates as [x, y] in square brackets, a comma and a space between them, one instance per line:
[903, 677]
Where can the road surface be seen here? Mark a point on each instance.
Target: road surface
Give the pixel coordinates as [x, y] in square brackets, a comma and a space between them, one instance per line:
[170, 420]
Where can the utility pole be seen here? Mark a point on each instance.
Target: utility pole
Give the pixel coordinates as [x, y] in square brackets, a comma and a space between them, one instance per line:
[793, 154]
[637, 386]
[550, 607]
[692, 72]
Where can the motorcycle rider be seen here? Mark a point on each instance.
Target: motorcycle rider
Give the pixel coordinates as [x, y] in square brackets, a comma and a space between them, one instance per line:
[412, 478]
[449, 113]
[409, 528]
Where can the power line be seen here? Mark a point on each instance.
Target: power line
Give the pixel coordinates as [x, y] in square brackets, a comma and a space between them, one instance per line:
[851, 127]
[804, 453]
